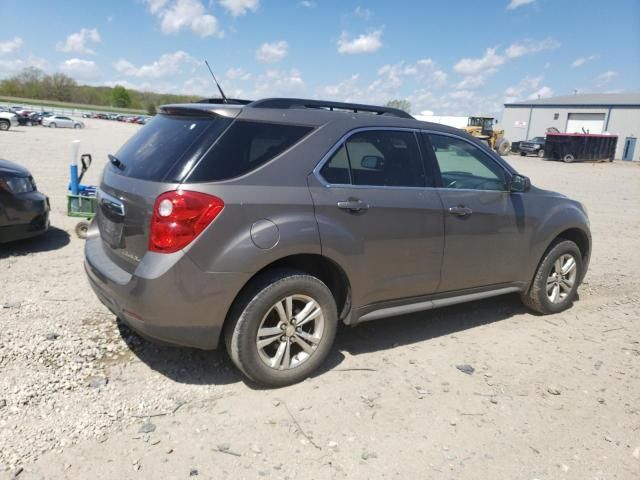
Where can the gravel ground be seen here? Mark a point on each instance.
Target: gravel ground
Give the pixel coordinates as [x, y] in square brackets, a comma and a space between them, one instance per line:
[549, 398]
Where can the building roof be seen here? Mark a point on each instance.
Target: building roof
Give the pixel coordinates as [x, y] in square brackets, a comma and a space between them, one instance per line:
[631, 99]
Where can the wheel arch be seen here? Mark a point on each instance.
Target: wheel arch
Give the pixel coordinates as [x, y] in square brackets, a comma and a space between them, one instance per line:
[319, 266]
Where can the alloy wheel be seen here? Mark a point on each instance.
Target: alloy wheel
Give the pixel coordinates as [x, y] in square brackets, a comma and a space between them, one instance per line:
[290, 332]
[561, 278]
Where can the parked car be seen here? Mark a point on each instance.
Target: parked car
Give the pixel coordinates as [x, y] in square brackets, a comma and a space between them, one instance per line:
[24, 211]
[268, 223]
[535, 146]
[7, 120]
[60, 121]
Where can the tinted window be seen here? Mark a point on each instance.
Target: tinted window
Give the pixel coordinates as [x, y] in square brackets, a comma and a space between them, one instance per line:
[165, 148]
[463, 165]
[336, 170]
[244, 147]
[385, 158]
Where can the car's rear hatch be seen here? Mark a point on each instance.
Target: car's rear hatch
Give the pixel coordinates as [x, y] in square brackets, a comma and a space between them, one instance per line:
[155, 160]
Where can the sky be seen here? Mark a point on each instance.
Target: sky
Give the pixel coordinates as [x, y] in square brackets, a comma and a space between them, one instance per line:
[455, 57]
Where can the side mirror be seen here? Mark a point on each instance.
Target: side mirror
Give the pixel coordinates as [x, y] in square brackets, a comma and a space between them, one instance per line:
[519, 183]
[372, 162]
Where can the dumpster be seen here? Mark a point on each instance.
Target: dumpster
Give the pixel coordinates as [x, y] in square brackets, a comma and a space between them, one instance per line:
[578, 147]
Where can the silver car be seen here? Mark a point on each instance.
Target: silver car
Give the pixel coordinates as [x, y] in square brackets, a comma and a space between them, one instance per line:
[60, 121]
[266, 224]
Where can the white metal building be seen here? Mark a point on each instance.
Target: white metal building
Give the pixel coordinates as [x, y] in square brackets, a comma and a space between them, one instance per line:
[614, 113]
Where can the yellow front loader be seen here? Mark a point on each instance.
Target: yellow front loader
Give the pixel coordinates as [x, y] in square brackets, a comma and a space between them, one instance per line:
[487, 130]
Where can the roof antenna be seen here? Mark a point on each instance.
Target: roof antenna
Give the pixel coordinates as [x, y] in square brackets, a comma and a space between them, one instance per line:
[224, 97]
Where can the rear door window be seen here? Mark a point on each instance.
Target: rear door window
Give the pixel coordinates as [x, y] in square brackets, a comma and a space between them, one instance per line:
[244, 147]
[166, 148]
[378, 158]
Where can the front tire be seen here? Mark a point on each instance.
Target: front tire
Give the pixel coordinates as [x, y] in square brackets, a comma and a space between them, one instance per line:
[281, 328]
[52, 125]
[555, 285]
[568, 158]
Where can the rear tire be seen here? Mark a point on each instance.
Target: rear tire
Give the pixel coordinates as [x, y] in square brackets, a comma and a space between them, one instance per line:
[4, 125]
[568, 158]
[523, 154]
[540, 153]
[283, 360]
[552, 293]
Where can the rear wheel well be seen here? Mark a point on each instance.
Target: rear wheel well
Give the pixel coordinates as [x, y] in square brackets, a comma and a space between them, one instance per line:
[318, 266]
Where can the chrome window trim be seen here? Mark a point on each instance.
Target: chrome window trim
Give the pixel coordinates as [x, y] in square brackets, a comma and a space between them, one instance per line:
[336, 146]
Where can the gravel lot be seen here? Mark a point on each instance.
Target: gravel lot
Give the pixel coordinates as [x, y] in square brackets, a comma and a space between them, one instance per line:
[550, 398]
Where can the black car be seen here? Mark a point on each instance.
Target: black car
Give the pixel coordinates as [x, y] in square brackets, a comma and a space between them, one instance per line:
[24, 211]
[535, 146]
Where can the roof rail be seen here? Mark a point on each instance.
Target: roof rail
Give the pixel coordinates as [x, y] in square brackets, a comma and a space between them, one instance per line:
[328, 105]
[221, 101]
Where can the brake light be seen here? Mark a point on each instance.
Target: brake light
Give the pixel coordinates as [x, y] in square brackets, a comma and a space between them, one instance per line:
[179, 217]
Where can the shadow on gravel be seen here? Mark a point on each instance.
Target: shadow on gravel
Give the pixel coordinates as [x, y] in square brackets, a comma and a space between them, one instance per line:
[417, 327]
[197, 367]
[54, 239]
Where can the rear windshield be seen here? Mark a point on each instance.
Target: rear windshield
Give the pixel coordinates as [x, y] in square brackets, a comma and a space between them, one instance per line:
[244, 147]
[167, 147]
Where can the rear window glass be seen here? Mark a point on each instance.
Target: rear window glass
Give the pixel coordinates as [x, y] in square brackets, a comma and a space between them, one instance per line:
[166, 148]
[245, 147]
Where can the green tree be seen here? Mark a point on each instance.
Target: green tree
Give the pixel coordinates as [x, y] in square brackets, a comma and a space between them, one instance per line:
[151, 109]
[400, 104]
[120, 97]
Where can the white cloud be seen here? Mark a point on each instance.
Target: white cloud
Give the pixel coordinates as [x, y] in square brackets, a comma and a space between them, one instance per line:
[542, 92]
[578, 62]
[527, 47]
[80, 69]
[424, 70]
[176, 15]
[237, 8]
[528, 88]
[471, 82]
[361, 12]
[472, 66]
[272, 52]
[10, 45]
[9, 67]
[237, 74]
[492, 59]
[606, 77]
[78, 42]
[307, 4]
[364, 43]
[518, 3]
[272, 83]
[110, 18]
[167, 65]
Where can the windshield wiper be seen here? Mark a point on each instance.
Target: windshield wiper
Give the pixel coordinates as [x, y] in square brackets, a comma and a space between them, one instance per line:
[115, 161]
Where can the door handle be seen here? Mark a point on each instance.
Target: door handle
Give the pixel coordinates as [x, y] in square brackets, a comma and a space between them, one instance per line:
[460, 211]
[353, 205]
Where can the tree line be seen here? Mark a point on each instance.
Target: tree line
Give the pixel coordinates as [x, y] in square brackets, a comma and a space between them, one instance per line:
[36, 84]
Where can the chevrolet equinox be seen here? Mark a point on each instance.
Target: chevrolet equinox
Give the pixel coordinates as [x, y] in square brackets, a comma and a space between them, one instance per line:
[266, 223]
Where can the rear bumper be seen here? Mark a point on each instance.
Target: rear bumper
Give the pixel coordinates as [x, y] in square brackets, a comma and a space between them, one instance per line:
[181, 305]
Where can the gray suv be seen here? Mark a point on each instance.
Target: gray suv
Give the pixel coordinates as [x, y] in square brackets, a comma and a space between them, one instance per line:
[267, 223]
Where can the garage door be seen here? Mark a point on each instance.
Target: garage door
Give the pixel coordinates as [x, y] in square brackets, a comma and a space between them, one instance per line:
[585, 122]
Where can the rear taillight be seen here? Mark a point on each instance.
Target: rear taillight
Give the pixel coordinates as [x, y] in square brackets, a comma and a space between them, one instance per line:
[179, 217]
